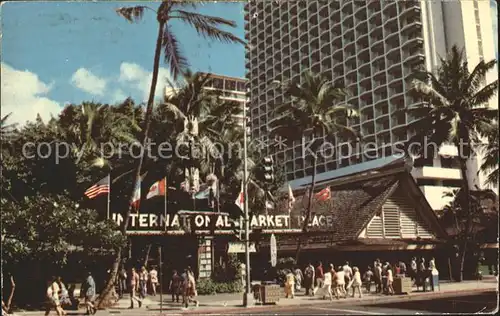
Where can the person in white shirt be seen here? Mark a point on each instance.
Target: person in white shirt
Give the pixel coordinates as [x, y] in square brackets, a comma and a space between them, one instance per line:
[356, 282]
[153, 278]
[347, 273]
[341, 282]
[390, 279]
[326, 288]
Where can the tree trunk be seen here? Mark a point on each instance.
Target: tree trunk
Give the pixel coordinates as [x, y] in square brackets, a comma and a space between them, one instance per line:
[450, 272]
[466, 210]
[146, 259]
[462, 261]
[105, 297]
[308, 211]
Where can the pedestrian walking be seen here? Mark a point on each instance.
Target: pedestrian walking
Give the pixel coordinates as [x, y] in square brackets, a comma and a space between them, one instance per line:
[356, 282]
[390, 280]
[340, 277]
[298, 279]
[290, 285]
[189, 289]
[53, 292]
[326, 289]
[143, 282]
[309, 279]
[122, 282]
[347, 274]
[89, 290]
[367, 278]
[153, 278]
[134, 288]
[378, 277]
[402, 267]
[413, 269]
[175, 286]
[64, 297]
[319, 275]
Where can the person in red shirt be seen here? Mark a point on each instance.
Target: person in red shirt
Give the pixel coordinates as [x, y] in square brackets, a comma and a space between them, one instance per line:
[319, 276]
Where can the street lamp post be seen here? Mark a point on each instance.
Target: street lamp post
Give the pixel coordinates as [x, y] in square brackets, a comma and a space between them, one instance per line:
[247, 297]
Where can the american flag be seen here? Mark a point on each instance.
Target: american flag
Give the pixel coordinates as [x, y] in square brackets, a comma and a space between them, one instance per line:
[99, 188]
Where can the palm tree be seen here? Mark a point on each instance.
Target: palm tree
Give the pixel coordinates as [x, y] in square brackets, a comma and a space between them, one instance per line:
[6, 130]
[168, 11]
[454, 110]
[318, 108]
[489, 164]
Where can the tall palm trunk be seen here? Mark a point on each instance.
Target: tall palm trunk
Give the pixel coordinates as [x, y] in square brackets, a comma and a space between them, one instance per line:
[308, 211]
[104, 298]
[466, 207]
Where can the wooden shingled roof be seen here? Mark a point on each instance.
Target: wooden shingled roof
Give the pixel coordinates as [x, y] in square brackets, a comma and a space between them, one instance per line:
[350, 208]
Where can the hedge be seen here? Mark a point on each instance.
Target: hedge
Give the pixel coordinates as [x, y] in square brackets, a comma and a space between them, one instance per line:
[208, 287]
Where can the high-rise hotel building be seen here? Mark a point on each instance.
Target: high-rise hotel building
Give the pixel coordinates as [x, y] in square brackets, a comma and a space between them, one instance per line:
[231, 88]
[371, 47]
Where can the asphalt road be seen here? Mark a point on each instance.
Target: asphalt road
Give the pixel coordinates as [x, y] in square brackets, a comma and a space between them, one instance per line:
[484, 302]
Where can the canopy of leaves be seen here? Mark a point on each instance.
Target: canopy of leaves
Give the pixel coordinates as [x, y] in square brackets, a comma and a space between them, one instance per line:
[317, 108]
[454, 107]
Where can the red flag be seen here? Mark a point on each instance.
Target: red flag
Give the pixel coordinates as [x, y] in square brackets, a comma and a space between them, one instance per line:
[324, 194]
[240, 200]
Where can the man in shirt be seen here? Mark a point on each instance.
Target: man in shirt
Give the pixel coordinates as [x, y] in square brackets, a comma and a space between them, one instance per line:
[413, 267]
[378, 277]
[347, 273]
[319, 276]
[309, 278]
[134, 288]
[153, 277]
[402, 267]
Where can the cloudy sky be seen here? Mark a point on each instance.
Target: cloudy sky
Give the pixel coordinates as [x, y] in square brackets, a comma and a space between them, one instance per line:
[55, 53]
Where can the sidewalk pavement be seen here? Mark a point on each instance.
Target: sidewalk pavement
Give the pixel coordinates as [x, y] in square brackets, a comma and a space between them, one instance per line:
[226, 302]
[211, 304]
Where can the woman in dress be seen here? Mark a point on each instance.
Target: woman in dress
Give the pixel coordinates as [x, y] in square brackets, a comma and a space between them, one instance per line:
[189, 288]
[53, 292]
[89, 290]
[356, 281]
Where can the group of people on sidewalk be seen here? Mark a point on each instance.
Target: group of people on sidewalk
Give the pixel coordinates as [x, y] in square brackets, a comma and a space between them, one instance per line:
[181, 285]
[58, 296]
[184, 285]
[339, 281]
[323, 283]
[140, 281]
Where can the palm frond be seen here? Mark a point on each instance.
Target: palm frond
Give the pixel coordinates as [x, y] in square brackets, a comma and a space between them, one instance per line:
[172, 53]
[207, 26]
[131, 14]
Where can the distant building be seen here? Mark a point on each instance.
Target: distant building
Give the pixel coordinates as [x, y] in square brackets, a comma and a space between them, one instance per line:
[232, 88]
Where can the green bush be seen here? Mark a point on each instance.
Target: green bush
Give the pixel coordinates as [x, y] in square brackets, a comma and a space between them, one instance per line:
[209, 287]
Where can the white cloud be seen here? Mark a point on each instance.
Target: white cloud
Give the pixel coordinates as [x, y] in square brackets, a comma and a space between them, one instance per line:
[25, 95]
[85, 80]
[138, 78]
[118, 96]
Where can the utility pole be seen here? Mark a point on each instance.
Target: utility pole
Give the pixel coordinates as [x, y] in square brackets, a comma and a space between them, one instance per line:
[247, 297]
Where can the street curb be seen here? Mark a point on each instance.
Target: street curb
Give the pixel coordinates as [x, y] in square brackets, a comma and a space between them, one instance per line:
[388, 299]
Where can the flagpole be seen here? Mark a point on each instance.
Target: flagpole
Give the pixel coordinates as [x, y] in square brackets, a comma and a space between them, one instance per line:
[165, 198]
[109, 193]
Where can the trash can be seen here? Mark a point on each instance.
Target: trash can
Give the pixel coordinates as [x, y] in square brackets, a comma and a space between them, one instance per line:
[270, 293]
[402, 285]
